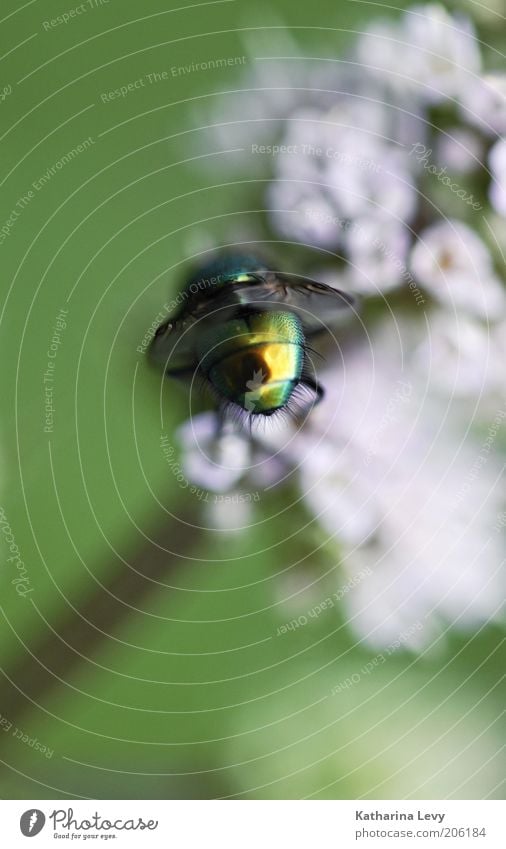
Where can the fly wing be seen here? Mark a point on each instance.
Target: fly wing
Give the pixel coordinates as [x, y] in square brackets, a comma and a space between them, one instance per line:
[316, 304]
[174, 343]
[211, 299]
[170, 349]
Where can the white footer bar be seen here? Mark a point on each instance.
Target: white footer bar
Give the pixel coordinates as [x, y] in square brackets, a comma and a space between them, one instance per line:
[255, 824]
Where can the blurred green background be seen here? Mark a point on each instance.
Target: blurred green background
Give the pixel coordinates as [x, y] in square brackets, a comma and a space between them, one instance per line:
[145, 657]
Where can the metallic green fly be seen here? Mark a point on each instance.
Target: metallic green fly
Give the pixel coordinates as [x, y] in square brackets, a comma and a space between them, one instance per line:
[243, 329]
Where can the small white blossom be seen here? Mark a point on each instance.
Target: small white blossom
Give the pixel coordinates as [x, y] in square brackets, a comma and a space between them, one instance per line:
[371, 179]
[497, 161]
[337, 496]
[429, 53]
[460, 150]
[462, 357]
[405, 497]
[412, 501]
[444, 51]
[377, 251]
[231, 515]
[212, 460]
[394, 464]
[483, 103]
[301, 211]
[381, 48]
[455, 267]
[333, 171]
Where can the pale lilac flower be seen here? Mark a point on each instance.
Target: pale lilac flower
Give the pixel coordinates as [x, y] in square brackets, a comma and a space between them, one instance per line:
[225, 470]
[302, 211]
[393, 464]
[267, 93]
[212, 460]
[462, 357]
[435, 556]
[368, 174]
[383, 467]
[443, 51]
[483, 103]
[454, 265]
[460, 149]
[232, 513]
[497, 161]
[382, 48]
[337, 496]
[335, 171]
[388, 482]
[429, 53]
[367, 178]
[377, 251]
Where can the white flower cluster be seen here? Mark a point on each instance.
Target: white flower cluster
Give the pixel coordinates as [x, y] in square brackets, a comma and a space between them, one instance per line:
[399, 463]
[360, 175]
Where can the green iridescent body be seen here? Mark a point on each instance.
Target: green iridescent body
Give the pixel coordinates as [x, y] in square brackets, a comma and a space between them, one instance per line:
[242, 327]
[255, 360]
